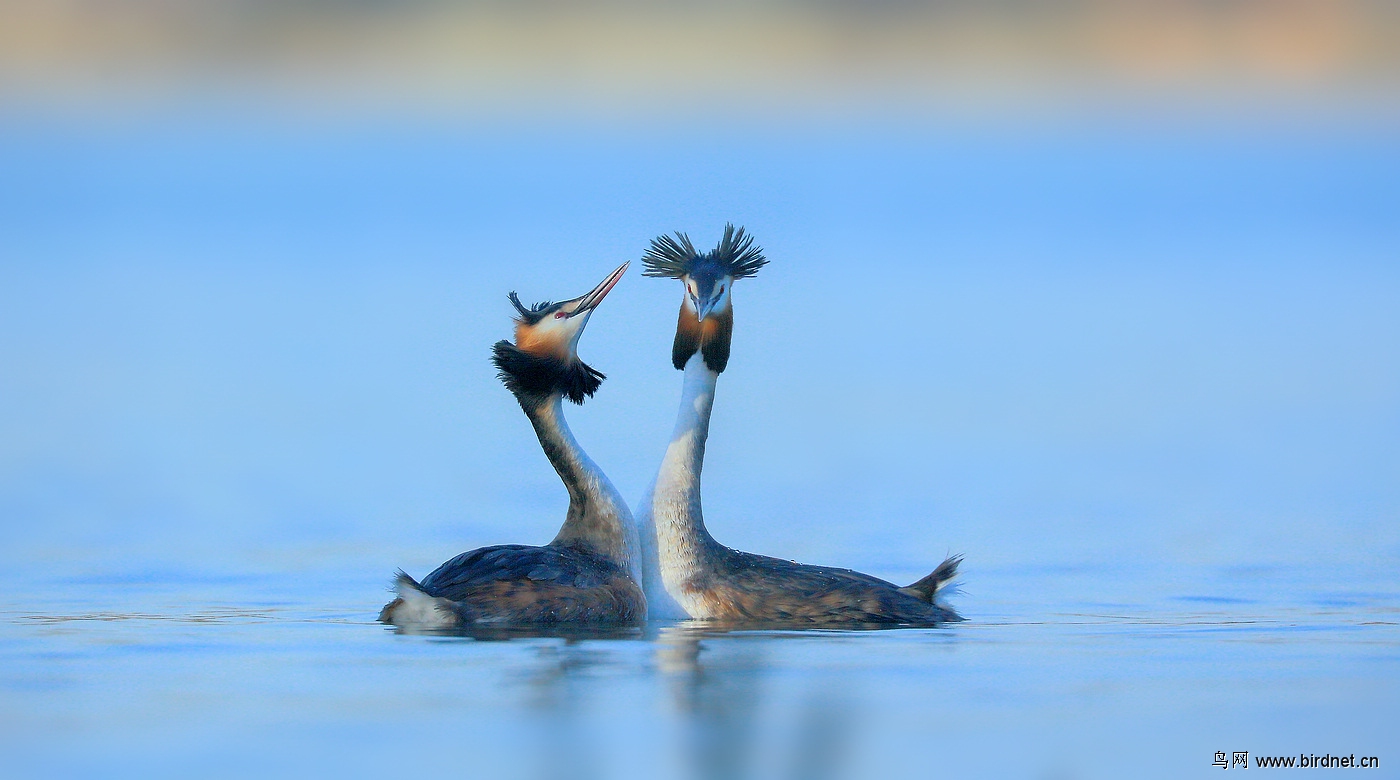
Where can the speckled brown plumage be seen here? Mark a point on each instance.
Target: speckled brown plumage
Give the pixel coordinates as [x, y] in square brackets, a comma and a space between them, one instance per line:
[740, 587]
[522, 585]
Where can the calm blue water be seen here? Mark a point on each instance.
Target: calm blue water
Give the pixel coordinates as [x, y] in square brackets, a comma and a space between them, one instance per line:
[1147, 380]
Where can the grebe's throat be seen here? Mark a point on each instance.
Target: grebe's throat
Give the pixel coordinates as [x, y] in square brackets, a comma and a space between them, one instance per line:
[598, 518]
[683, 546]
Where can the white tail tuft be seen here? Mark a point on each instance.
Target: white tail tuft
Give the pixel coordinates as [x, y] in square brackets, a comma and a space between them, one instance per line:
[414, 608]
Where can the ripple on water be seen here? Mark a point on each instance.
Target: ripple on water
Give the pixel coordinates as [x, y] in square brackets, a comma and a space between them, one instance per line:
[1041, 691]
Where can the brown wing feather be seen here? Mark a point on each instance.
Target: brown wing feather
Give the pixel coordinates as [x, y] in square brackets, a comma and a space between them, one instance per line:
[520, 584]
[616, 600]
[747, 588]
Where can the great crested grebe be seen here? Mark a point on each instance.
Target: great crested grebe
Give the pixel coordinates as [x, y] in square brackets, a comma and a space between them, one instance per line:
[590, 572]
[685, 570]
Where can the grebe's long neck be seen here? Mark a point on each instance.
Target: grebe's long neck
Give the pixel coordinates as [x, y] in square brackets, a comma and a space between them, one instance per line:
[598, 517]
[682, 545]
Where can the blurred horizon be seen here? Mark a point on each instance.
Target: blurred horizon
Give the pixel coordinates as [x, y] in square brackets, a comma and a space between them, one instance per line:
[722, 62]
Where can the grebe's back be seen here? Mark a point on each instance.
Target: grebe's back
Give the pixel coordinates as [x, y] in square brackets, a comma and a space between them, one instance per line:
[740, 587]
[521, 584]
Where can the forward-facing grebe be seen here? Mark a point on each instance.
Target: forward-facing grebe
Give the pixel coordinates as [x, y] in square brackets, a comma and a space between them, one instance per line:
[685, 571]
[590, 572]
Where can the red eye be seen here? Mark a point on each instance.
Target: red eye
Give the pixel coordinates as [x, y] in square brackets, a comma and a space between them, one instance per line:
[559, 315]
[721, 288]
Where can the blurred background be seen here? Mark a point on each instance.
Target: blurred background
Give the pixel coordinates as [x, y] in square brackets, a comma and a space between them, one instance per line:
[1102, 295]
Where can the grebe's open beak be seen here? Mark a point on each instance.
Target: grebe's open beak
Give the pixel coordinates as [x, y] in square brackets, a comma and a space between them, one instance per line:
[590, 301]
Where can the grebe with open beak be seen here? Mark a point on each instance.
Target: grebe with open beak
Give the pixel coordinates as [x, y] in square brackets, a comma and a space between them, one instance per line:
[589, 574]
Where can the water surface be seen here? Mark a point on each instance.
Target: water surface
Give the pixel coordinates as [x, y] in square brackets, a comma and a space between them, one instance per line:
[1146, 380]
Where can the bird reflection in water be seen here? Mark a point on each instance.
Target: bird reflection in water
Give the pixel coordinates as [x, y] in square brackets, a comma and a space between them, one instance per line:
[727, 709]
[719, 684]
[500, 633]
[560, 695]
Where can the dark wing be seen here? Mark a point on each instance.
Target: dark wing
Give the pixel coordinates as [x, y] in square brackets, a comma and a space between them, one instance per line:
[515, 583]
[758, 588]
[554, 565]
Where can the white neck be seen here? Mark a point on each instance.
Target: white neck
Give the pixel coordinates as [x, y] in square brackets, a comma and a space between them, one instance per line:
[674, 539]
[598, 517]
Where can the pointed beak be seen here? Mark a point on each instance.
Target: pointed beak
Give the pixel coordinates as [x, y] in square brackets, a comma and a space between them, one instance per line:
[590, 301]
[706, 306]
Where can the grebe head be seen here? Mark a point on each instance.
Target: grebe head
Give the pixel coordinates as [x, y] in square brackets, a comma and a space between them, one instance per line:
[707, 313]
[544, 358]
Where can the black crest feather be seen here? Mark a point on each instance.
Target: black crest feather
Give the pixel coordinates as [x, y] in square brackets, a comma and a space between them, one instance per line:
[532, 378]
[734, 256]
[529, 315]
